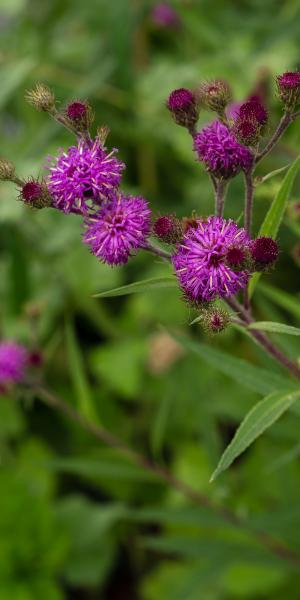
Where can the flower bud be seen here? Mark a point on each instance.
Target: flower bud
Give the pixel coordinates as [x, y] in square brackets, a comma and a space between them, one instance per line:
[288, 85]
[215, 95]
[264, 251]
[183, 107]
[168, 229]
[41, 97]
[253, 110]
[35, 194]
[80, 114]
[214, 320]
[247, 132]
[7, 170]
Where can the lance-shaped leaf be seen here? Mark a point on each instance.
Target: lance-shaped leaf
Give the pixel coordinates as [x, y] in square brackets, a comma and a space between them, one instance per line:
[275, 327]
[139, 286]
[260, 417]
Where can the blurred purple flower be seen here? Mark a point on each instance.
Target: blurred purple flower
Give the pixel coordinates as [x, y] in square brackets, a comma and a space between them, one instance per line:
[13, 362]
[164, 15]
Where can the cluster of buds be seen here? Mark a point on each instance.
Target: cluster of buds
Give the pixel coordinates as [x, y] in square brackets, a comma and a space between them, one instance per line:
[288, 85]
[215, 95]
[250, 123]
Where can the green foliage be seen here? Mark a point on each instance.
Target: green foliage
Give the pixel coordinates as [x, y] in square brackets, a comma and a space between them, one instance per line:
[77, 519]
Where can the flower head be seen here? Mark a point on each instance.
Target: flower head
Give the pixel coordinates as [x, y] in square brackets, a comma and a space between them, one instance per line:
[183, 107]
[222, 154]
[200, 261]
[13, 362]
[253, 110]
[214, 320]
[82, 174]
[121, 225]
[215, 95]
[164, 15]
[264, 251]
[35, 193]
[168, 229]
[80, 114]
[288, 85]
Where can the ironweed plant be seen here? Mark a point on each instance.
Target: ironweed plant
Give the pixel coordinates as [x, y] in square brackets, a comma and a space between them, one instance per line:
[216, 262]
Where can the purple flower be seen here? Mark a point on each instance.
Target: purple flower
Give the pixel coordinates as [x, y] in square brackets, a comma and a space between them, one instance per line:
[200, 261]
[13, 362]
[120, 226]
[222, 154]
[289, 80]
[164, 15]
[253, 110]
[83, 174]
[265, 250]
[183, 107]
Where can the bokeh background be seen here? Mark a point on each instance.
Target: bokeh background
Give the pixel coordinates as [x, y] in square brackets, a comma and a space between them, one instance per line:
[77, 520]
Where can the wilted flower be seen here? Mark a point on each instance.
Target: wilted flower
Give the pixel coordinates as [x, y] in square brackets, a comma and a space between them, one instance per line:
[121, 226]
[41, 97]
[13, 363]
[83, 174]
[7, 170]
[219, 149]
[200, 261]
[215, 95]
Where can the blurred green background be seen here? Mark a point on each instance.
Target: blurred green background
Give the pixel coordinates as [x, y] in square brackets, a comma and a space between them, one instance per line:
[77, 520]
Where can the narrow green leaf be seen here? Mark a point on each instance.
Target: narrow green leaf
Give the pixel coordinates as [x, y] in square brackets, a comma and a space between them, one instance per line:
[251, 376]
[78, 375]
[283, 299]
[276, 211]
[139, 286]
[260, 417]
[275, 327]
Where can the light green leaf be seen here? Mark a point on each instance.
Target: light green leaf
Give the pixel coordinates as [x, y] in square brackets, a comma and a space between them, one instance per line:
[260, 417]
[276, 211]
[251, 376]
[275, 327]
[78, 375]
[139, 286]
[260, 180]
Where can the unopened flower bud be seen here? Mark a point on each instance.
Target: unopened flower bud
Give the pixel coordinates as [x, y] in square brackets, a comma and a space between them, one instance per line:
[288, 85]
[168, 229]
[7, 170]
[214, 320]
[253, 110]
[80, 114]
[264, 251]
[215, 95]
[247, 132]
[41, 97]
[183, 107]
[35, 194]
[236, 258]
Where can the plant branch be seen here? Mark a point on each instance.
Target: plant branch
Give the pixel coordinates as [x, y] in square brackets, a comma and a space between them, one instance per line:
[284, 122]
[275, 546]
[220, 187]
[156, 250]
[263, 339]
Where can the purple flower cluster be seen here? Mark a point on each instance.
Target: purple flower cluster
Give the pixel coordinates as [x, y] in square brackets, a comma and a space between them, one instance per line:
[83, 174]
[219, 149]
[120, 226]
[200, 260]
[13, 362]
